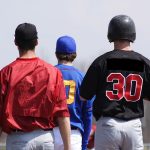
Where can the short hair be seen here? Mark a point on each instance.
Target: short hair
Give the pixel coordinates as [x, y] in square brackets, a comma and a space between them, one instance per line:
[26, 45]
[66, 57]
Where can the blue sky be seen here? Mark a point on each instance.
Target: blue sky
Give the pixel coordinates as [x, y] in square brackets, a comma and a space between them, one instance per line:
[85, 20]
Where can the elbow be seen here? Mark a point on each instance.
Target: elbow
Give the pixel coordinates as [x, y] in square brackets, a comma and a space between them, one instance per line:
[83, 99]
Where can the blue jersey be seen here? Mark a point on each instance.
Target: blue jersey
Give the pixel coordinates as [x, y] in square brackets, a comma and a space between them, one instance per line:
[80, 112]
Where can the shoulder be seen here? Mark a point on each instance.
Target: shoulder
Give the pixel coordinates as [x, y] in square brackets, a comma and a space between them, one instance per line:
[53, 70]
[140, 55]
[99, 62]
[48, 65]
[70, 70]
[79, 72]
[101, 58]
[144, 59]
[8, 67]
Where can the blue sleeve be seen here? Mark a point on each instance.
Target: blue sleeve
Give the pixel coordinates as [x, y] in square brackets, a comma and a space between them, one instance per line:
[87, 122]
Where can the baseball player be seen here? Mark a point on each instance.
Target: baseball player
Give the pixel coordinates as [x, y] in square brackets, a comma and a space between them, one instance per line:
[32, 98]
[120, 80]
[80, 112]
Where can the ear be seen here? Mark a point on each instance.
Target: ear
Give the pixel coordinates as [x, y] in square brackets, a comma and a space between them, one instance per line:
[15, 42]
[56, 56]
[36, 42]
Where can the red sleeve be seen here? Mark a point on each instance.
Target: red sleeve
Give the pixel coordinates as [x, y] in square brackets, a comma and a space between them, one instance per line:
[0, 100]
[2, 93]
[61, 108]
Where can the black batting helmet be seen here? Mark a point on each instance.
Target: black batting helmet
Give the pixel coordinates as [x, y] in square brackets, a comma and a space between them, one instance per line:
[121, 27]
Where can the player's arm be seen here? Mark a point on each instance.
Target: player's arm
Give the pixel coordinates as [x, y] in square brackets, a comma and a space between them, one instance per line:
[146, 85]
[83, 99]
[87, 122]
[61, 112]
[65, 131]
[0, 120]
[146, 93]
[90, 83]
[1, 101]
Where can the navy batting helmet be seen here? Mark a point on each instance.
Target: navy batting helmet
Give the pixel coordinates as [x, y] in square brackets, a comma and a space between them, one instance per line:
[121, 27]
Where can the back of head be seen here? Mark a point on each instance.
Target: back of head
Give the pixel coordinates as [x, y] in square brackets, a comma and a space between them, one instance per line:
[65, 45]
[26, 36]
[121, 27]
[66, 48]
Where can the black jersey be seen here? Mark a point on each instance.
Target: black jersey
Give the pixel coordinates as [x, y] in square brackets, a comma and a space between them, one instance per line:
[120, 80]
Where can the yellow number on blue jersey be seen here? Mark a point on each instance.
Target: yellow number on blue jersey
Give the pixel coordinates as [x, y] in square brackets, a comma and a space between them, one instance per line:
[72, 89]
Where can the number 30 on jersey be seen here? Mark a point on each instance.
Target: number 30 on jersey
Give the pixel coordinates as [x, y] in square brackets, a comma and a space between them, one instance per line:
[123, 87]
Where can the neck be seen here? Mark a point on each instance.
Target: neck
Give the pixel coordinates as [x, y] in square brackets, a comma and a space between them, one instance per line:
[27, 54]
[122, 45]
[64, 62]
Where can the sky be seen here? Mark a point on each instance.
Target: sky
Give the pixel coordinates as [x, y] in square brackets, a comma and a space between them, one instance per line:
[85, 20]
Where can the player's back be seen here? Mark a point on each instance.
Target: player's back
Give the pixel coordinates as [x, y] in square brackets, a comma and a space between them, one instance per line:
[30, 89]
[122, 77]
[72, 80]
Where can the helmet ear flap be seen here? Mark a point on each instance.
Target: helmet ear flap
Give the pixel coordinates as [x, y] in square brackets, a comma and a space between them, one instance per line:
[121, 27]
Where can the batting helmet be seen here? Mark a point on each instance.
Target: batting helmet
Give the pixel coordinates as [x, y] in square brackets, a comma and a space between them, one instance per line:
[121, 27]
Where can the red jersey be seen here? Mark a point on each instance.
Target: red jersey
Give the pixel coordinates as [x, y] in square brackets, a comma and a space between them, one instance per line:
[32, 95]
